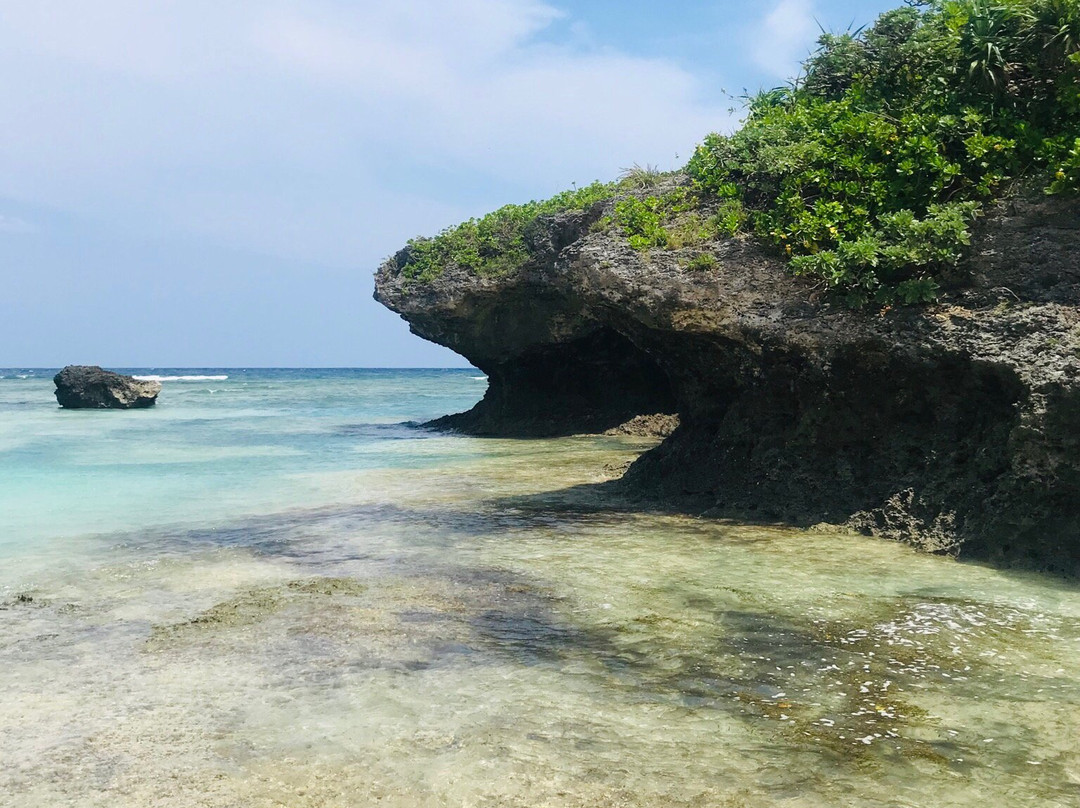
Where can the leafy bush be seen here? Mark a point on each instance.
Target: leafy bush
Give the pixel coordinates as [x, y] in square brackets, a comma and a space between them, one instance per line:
[676, 220]
[1067, 176]
[730, 218]
[641, 222]
[869, 171]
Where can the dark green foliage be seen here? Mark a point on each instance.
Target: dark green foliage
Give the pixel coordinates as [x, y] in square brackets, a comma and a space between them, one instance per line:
[496, 243]
[869, 172]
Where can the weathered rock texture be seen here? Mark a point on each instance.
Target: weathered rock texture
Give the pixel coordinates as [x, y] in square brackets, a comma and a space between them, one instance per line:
[954, 427]
[659, 425]
[90, 387]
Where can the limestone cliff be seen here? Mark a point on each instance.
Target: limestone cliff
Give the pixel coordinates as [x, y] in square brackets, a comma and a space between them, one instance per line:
[955, 426]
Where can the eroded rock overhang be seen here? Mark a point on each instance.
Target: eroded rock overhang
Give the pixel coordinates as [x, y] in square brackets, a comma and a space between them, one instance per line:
[954, 427]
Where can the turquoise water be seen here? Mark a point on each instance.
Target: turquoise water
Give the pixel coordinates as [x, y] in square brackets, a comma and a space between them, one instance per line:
[270, 591]
[213, 449]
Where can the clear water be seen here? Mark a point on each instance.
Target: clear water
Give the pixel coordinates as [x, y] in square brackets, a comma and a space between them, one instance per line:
[269, 592]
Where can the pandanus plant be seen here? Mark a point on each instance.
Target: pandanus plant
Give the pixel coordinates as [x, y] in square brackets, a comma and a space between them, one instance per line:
[992, 39]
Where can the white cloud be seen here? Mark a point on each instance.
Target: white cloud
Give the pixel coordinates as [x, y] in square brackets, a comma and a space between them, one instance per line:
[471, 85]
[421, 41]
[149, 39]
[313, 128]
[783, 39]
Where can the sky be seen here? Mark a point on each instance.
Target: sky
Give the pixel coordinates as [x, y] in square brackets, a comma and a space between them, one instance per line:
[192, 183]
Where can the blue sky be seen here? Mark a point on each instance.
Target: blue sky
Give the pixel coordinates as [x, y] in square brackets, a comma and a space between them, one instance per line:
[201, 183]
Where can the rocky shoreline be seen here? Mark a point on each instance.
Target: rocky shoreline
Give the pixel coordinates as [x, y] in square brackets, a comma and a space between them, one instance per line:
[954, 427]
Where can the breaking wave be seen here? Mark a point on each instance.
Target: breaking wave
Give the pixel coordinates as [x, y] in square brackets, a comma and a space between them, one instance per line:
[181, 378]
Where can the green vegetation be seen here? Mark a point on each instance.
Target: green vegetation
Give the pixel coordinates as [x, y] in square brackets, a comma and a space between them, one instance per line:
[702, 262]
[868, 171]
[496, 243]
[641, 221]
[1067, 176]
[641, 177]
[677, 219]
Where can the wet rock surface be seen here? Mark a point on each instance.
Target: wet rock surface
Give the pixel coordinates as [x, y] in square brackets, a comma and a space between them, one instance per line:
[90, 387]
[955, 427]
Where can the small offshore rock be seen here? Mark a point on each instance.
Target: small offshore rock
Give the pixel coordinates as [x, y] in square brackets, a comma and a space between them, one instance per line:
[90, 387]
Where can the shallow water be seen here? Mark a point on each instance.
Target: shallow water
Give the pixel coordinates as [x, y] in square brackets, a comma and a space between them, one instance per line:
[270, 594]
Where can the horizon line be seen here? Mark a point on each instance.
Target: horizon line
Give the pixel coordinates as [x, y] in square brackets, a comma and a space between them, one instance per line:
[246, 367]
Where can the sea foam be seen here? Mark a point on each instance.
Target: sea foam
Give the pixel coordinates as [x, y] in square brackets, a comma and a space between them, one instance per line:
[181, 378]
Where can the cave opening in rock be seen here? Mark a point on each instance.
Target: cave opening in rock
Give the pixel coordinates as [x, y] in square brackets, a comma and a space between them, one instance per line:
[587, 385]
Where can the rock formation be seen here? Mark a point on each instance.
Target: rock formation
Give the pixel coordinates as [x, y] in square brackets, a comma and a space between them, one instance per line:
[954, 426]
[90, 387]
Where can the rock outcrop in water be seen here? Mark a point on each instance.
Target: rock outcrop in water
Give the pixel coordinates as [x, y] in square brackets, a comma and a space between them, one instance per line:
[955, 427]
[90, 387]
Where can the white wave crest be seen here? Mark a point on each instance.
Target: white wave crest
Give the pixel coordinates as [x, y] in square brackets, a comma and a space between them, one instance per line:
[180, 378]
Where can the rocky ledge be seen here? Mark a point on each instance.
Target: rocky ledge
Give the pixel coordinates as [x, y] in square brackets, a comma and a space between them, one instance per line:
[90, 387]
[955, 427]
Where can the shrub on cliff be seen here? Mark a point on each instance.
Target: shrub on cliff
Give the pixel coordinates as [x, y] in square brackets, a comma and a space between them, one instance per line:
[868, 171]
[493, 244]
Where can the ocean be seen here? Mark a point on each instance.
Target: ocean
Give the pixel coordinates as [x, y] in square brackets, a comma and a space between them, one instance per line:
[273, 589]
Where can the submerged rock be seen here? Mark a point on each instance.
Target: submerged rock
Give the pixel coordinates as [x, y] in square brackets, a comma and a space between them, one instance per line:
[90, 387]
[955, 427]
